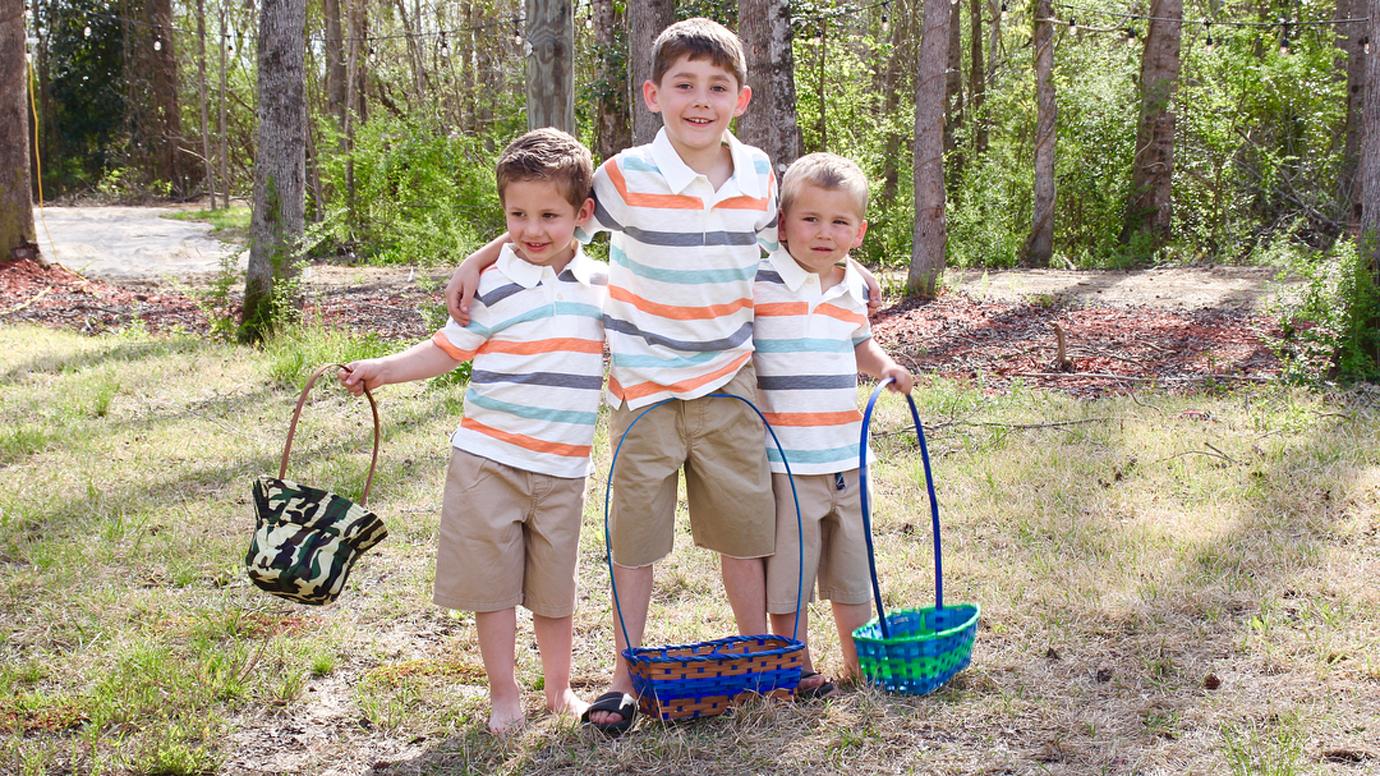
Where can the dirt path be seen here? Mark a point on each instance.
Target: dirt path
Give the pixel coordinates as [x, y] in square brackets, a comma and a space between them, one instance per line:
[130, 243]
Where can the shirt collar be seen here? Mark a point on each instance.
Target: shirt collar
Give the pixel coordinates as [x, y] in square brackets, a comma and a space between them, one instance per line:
[678, 174]
[528, 275]
[794, 276]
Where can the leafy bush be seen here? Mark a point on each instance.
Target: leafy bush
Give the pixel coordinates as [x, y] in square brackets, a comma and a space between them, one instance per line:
[1329, 329]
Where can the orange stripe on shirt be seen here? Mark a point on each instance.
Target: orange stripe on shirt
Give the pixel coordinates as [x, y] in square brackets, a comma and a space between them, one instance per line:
[527, 442]
[554, 345]
[678, 312]
[743, 203]
[813, 418]
[663, 201]
[649, 388]
[446, 345]
[782, 308]
[833, 311]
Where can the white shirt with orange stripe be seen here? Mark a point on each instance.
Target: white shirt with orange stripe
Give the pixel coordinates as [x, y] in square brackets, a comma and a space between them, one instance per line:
[807, 373]
[537, 342]
[682, 259]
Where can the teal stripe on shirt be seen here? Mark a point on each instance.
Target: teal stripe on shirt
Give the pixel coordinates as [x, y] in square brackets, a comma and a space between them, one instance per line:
[827, 455]
[630, 162]
[682, 276]
[675, 362]
[537, 313]
[532, 413]
[803, 345]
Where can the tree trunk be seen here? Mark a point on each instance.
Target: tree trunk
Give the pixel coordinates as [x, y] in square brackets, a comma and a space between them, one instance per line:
[1040, 244]
[151, 78]
[279, 164]
[201, 97]
[977, 81]
[1348, 195]
[930, 235]
[646, 21]
[613, 132]
[17, 237]
[466, 40]
[1149, 212]
[898, 21]
[953, 75]
[550, 38]
[771, 124]
[336, 74]
[358, 53]
[1368, 165]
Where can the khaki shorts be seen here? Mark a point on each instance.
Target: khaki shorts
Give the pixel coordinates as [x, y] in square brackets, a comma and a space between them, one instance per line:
[721, 444]
[507, 537]
[835, 548]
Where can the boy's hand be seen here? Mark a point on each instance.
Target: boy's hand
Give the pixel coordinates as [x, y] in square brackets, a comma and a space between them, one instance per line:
[357, 375]
[903, 381]
[874, 289]
[464, 281]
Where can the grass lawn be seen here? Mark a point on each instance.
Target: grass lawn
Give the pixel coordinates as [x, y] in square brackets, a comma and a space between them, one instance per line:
[1168, 585]
[229, 224]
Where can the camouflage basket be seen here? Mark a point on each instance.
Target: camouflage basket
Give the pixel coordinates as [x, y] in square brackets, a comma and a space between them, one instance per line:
[307, 539]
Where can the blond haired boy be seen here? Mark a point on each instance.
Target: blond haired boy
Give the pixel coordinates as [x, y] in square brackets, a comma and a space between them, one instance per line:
[514, 495]
[812, 340]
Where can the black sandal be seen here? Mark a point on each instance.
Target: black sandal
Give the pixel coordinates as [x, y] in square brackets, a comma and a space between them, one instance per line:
[820, 692]
[614, 702]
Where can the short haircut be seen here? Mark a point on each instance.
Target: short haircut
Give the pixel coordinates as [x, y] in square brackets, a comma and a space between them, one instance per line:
[699, 38]
[827, 171]
[548, 155]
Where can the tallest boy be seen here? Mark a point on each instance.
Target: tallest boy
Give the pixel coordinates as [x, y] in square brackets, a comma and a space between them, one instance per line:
[689, 215]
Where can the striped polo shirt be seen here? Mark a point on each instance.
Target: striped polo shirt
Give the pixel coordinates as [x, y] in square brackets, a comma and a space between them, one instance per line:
[807, 374]
[682, 259]
[537, 340]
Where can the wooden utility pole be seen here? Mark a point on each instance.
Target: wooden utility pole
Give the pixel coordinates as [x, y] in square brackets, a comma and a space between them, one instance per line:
[17, 237]
[1039, 245]
[550, 35]
[771, 124]
[279, 164]
[646, 20]
[1149, 213]
[931, 230]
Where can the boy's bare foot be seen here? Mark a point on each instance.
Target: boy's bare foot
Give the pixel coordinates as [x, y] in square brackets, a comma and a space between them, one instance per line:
[566, 702]
[506, 715]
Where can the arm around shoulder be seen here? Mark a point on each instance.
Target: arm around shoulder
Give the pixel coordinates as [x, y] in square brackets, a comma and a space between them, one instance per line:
[464, 281]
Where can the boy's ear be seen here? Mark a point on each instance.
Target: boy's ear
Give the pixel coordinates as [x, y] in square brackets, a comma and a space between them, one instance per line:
[744, 97]
[649, 96]
[586, 211]
[862, 232]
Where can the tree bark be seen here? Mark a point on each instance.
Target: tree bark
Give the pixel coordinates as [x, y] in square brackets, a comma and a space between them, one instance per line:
[646, 21]
[279, 164]
[613, 131]
[930, 234]
[550, 38]
[977, 80]
[336, 74]
[1368, 163]
[151, 82]
[1149, 214]
[893, 79]
[17, 237]
[358, 53]
[221, 108]
[771, 124]
[201, 97]
[1348, 195]
[1039, 245]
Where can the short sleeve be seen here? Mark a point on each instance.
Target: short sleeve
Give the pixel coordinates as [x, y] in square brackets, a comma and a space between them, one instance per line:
[610, 207]
[864, 331]
[766, 227]
[460, 342]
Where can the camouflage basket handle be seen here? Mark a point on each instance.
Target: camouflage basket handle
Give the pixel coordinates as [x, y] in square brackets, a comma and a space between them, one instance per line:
[297, 413]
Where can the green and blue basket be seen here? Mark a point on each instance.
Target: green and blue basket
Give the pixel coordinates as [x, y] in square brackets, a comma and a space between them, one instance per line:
[707, 678]
[911, 651]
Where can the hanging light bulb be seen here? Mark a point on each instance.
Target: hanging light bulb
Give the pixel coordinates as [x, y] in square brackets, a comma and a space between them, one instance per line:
[1284, 37]
[1365, 44]
[157, 45]
[1073, 25]
[1003, 10]
[86, 33]
[1207, 30]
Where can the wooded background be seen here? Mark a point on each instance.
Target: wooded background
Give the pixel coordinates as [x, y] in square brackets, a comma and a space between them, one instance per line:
[1066, 133]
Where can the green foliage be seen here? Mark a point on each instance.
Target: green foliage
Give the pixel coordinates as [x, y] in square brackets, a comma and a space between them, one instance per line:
[422, 195]
[295, 351]
[1330, 329]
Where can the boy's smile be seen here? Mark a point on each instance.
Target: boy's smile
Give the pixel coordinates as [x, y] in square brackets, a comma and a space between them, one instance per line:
[696, 99]
[541, 222]
[821, 227]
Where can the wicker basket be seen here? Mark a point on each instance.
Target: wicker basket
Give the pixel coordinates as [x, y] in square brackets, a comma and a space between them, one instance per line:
[707, 678]
[912, 651]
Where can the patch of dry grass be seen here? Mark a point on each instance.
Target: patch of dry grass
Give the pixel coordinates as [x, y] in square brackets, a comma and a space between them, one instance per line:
[1163, 591]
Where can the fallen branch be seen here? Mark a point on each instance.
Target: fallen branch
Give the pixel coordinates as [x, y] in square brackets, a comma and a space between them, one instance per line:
[32, 299]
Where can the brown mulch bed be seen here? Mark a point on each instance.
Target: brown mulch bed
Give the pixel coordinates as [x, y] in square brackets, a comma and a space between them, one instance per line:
[1108, 350]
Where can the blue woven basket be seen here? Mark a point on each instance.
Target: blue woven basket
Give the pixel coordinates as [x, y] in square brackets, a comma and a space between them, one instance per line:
[707, 678]
[911, 651]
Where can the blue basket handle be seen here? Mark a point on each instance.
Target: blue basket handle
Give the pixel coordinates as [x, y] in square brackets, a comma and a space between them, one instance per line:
[867, 505]
[799, 523]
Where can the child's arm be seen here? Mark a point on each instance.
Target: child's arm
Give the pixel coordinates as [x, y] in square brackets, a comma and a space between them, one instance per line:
[874, 289]
[874, 362]
[419, 362]
[464, 281]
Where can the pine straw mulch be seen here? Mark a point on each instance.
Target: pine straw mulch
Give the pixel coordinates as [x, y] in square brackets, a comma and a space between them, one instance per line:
[1107, 349]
